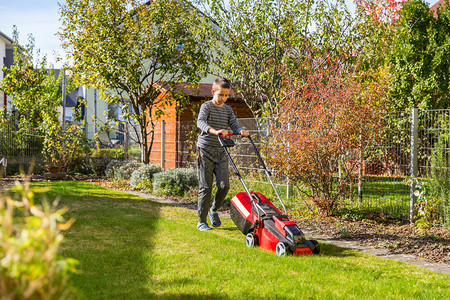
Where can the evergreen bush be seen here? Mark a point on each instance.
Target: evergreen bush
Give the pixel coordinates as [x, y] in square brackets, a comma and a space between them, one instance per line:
[142, 177]
[124, 172]
[175, 181]
[117, 153]
[113, 166]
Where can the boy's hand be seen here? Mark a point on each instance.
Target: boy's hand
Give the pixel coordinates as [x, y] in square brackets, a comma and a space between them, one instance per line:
[223, 132]
[244, 133]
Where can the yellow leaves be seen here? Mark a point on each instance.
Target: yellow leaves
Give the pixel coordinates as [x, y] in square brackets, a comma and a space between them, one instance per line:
[66, 225]
[30, 237]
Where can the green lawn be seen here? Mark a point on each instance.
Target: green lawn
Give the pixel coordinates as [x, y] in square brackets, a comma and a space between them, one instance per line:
[132, 248]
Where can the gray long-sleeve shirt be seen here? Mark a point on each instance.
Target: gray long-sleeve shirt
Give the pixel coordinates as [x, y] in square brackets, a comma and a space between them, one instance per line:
[212, 116]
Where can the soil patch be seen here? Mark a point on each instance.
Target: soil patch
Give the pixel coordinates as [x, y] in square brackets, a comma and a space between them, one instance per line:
[394, 236]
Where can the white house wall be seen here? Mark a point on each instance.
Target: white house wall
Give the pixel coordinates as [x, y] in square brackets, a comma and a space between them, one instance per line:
[4, 44]
[102, 108]
[2, 57]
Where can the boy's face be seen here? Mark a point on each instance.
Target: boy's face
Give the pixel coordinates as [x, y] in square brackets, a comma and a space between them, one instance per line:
[220, 96]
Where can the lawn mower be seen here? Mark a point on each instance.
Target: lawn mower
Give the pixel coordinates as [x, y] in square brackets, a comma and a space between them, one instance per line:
[257, 217]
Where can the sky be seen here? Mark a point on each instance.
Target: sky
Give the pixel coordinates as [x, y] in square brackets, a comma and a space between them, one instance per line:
[38, 17]
[41, 19]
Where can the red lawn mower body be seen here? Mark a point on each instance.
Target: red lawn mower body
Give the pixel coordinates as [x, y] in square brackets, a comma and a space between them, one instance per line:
[273, 231]
[262, 223]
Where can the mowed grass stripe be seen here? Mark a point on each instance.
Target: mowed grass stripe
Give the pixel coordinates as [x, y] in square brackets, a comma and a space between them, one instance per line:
[133, 248]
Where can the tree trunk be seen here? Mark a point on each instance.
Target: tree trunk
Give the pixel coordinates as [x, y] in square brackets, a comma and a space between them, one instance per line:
[147, 142]
[145, 155]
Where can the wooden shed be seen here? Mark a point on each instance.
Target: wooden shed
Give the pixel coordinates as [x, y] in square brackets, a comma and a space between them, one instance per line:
[176, 133]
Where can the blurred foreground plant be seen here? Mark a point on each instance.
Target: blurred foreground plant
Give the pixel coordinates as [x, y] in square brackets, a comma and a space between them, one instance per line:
[30, 235]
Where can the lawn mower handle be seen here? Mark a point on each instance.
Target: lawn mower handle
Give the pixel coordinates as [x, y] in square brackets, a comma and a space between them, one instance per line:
[231, 134]
[225, 145]
[268, 173]
[236, 171]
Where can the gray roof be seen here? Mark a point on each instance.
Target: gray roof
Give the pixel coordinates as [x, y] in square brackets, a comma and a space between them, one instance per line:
[9, 42]
[71, 98]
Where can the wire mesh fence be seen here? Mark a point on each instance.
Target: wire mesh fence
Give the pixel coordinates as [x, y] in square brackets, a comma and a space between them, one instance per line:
[434, 128]
[16, 143]
[434, 158]
[413, 145]
[386, 170]
[387, 165]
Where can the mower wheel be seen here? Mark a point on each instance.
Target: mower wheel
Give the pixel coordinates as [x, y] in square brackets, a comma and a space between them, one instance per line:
[316, 247]
[250, 240]
[281, 249]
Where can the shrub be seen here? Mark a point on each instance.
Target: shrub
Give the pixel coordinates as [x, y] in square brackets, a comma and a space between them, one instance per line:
[112, 153]
[142, 177]
[427, 206]
[328, 115]
[30, 235]
[124, 172]
[66, 148]
[113, 166]
[439, 179]
[174, 181]
[83, 167]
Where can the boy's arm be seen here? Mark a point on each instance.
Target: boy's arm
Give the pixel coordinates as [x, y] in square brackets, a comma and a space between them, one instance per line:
[202, 120]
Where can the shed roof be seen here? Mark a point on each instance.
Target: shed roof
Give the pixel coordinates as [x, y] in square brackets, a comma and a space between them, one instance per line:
[72, 98]
[202, 90]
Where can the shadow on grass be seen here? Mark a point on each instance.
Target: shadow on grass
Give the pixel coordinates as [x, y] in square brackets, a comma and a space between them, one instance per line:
[232, 229]
[332, 250]
[111, 238]
[188, 296]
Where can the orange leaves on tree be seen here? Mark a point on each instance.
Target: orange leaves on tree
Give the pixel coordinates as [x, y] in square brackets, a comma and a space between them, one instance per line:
[327, 118]
[380, 10]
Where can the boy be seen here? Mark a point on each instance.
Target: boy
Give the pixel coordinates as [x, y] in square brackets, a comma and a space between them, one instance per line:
[214, 117]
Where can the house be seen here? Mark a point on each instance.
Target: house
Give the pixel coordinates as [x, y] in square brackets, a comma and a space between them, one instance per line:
[180, 126]
[434, 7]
[6, 59]
[72, 102]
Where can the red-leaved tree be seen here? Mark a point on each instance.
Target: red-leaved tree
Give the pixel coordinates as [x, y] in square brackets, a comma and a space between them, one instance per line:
[326, 120]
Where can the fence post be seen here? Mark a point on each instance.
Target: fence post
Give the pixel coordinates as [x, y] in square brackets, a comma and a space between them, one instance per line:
[414, 161]
[63, 84]
[288, 187]
[125, 142]
[95, 111]
[3, 164]
[163, 143]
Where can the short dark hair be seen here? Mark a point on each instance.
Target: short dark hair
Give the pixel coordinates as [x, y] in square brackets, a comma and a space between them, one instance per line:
[221, 82]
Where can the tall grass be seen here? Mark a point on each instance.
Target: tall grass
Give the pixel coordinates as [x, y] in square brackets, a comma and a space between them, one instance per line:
[389, 195]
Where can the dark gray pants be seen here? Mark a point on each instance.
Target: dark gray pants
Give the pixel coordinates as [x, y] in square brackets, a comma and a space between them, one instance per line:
[211, 163]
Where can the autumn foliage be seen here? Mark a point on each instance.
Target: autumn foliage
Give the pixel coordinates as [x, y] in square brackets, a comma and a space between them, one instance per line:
[381, 10]
[327, 119]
